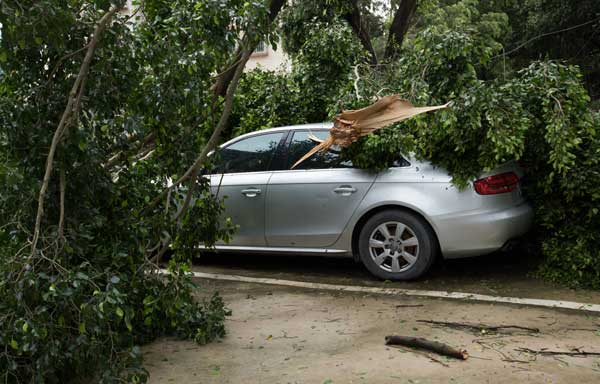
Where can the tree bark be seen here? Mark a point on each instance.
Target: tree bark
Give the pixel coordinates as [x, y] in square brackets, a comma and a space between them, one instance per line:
[61, 218]
[354, 18]
[429, 345]
[399, 27]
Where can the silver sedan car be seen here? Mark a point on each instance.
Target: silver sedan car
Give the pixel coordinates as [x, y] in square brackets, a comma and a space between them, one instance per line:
[396, 222]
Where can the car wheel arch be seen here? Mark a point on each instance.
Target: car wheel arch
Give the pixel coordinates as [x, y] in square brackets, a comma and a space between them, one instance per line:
[375, 210]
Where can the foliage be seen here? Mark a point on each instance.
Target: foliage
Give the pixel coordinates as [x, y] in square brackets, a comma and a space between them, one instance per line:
[82, 302]
[267, 99]
[321, 67]
[540, 115]
[324, 65]
[554, 29]
[298, 22]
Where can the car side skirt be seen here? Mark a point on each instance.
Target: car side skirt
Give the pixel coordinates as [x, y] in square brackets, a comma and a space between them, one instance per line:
[287, 250]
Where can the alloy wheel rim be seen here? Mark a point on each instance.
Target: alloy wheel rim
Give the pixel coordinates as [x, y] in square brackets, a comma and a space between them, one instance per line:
[393, 246]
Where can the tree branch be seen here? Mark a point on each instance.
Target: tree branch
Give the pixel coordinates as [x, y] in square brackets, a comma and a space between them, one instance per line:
[192, 172]
[71, 109]
[429, 345]
[399, 27]
[140, 147]
[61, 218]
[220, 87]
[354, 18]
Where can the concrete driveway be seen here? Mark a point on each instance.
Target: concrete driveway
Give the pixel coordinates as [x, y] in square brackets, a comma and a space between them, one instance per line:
[282, 334]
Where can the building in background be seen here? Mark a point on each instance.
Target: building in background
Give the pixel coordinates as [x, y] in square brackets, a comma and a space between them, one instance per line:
[264, 56]
[267, 58]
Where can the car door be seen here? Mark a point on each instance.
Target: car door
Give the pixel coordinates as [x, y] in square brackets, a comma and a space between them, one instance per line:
[241, 177]
[310, 205]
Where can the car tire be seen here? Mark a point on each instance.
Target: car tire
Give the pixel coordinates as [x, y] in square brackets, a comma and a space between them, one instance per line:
[390, 257]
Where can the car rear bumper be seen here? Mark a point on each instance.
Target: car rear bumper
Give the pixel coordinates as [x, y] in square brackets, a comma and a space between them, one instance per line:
[480, 232]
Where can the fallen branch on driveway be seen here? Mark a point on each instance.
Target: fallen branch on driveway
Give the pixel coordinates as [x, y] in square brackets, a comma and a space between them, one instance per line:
[429, 345]
[573, 352]
[478, 327]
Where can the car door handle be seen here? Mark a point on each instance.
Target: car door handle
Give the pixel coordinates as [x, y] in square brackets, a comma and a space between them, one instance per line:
[345, 190]
[251, 192]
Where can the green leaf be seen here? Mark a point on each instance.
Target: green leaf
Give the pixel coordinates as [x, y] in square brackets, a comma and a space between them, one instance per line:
[128, 323]
[119, 312]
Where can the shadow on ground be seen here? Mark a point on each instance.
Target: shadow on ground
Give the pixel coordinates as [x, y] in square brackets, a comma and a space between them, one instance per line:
[502, 273]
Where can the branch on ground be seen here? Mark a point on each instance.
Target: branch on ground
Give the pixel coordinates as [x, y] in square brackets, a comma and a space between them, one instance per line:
[428, 345]
[573, 352]
[478, 327]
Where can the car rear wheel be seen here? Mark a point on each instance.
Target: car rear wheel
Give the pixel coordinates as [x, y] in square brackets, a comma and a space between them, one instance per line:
[397, 245]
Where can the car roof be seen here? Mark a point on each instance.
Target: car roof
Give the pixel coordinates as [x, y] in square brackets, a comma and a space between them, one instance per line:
[294, 128]
[279, 129]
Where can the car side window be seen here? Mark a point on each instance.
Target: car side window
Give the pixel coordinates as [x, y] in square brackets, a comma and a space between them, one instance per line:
[301, 143]
[401, 162]
[253, 154]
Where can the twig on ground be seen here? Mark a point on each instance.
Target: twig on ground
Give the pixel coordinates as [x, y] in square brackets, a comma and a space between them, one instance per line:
[580, 329]
[480, 358]
[478, 327]
[543, 352]
[429, 345]
[409, 305]
[504, 357]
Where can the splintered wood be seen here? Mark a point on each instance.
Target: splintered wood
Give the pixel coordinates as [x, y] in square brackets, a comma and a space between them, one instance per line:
[350, 125]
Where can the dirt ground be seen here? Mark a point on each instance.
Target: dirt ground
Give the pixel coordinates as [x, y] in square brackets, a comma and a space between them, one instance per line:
[290, 335]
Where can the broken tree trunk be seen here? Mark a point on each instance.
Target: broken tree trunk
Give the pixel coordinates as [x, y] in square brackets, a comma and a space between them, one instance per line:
[350, 125]
[428, 345]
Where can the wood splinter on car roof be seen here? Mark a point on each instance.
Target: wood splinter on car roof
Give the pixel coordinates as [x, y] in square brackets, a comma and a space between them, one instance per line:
[350, 125]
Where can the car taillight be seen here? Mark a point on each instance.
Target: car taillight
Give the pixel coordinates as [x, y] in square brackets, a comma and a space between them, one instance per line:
[502, 183]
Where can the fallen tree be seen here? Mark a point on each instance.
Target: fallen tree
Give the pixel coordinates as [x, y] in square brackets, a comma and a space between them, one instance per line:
[86, 201]
[539, 115]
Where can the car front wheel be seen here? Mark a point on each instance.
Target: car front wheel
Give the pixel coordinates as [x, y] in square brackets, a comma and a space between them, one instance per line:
[397, 245]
